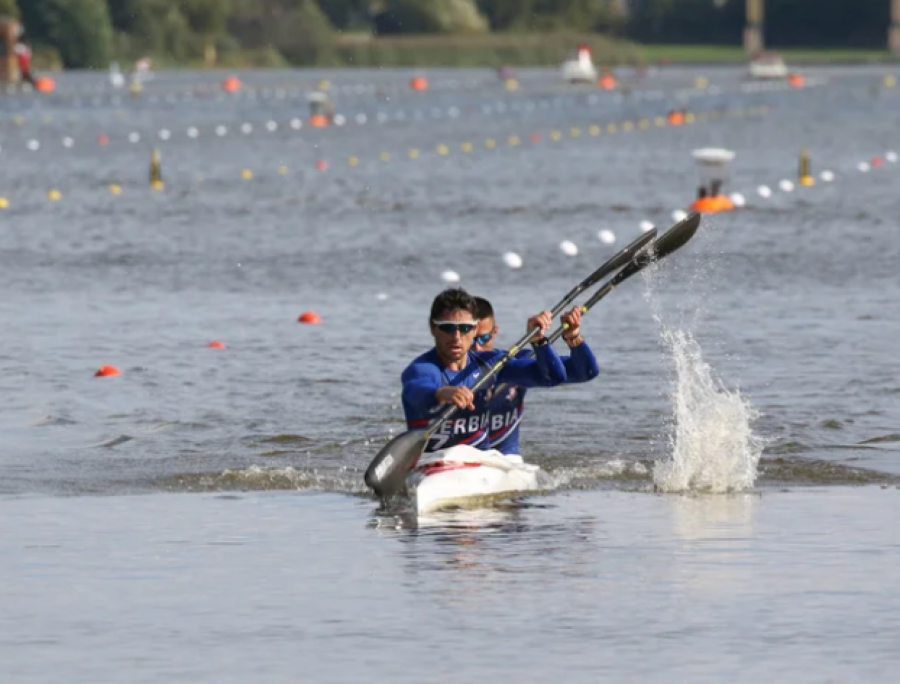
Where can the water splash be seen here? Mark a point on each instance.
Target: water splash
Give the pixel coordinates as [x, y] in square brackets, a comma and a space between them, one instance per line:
[713, 448]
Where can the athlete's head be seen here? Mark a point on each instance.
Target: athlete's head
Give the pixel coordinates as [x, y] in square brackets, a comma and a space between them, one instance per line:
[487, 327]
[453, 323]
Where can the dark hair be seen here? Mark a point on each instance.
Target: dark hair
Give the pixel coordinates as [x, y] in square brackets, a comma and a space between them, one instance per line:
[452, 299]
[483, 309]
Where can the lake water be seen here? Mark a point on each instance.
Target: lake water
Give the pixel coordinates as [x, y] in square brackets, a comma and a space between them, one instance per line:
[202, 516]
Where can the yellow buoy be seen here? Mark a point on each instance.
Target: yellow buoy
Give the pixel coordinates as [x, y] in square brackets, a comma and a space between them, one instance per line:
[4, 203]
[246, 174]
[115, 189]
[54, 195]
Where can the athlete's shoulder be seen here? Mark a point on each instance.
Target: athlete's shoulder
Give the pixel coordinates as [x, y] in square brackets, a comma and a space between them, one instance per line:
[424, 364]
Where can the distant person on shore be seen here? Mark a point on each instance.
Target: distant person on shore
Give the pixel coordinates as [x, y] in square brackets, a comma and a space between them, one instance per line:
[23, 56]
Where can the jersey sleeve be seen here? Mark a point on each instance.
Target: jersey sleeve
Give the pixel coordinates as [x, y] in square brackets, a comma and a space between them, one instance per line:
[420, 382]
[581, 365]
[544, 370]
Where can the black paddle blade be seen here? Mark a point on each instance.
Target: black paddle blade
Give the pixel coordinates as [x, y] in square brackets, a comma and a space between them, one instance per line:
[674, 238]
[387, 472]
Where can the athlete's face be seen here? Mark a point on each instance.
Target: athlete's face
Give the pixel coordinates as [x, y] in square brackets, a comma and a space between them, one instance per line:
[453, 333]
[487, 330]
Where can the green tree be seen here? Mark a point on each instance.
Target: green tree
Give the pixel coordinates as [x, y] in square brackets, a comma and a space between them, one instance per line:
[504, 15]
[346, 15]
[79, 29]
[415, 16]
[9, 9]
[207, 18]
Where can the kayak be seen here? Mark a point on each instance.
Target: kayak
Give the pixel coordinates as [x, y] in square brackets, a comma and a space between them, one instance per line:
[466, 477]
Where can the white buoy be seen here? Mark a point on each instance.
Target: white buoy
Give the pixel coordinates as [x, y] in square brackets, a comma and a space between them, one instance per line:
[679, 215]
[339, 120]
[221, 130]
[68, 142]
[271, 126]
[607, 237]
[165, 134]
[381, 296]
[568, 248]
[34, 145]
[891, 156]
[192, 132]
[764, 191]
[247, 128]
[296, 124]
[786, 185]
[450, 277]
[827, 176]
[512, 260]
[646, 226]
[738, 200]
[863, 167]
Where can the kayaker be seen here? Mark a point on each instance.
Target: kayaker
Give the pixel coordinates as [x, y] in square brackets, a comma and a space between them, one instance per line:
[445, 374]
[508, 401]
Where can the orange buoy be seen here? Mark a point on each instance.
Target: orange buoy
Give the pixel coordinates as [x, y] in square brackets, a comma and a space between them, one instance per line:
[712, 205]
[310, 317]
[232, 84]
[215, 344]
[796, 81]
[607, 82]
[321, 165]
[535, 137]
[318, 121]
[45, 84]
[107, 372]
[675, 118]
[103, 139]
[419, 83]
[876, 162]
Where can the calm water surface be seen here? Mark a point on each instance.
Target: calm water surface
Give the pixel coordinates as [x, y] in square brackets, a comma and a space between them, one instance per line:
[131, 542]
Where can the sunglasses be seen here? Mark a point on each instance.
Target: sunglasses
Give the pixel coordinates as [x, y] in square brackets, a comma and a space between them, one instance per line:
[450, 327]
[482, 340]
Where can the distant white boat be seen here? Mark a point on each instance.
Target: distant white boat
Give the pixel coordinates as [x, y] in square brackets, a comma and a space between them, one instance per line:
[768, 66]
[581, 68]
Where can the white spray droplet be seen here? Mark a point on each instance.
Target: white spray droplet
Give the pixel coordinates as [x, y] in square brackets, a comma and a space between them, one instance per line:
[450, 277]
[764, 191]
[863, 167]
[647, 226]
[786, 185]
[607, 237]
[381, 296]
[738, 200]
[891, 156]
[827, 176]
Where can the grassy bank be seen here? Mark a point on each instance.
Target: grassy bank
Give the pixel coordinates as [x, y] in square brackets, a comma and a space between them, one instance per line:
[722, 54]
[488, 50]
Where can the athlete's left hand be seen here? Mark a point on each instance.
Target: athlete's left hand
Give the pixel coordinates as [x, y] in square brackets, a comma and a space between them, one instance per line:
[572, 321]
[543, 321]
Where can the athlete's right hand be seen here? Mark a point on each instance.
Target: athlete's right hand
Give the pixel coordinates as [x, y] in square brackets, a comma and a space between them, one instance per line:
[462, 397]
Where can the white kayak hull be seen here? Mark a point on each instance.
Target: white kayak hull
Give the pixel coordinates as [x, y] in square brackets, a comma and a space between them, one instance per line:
[465, 477]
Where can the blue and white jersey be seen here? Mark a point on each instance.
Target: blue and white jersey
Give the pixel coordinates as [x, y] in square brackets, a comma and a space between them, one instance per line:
[427, 374]
[507, 402]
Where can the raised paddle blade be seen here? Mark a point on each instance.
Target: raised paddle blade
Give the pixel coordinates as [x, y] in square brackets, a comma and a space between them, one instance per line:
[674, 238]
[387, 472]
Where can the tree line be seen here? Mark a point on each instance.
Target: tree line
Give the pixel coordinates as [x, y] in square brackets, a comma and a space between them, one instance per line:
[91, 33]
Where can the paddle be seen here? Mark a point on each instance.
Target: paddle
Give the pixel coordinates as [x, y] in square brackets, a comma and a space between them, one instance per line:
[673, 239]
[387, 472]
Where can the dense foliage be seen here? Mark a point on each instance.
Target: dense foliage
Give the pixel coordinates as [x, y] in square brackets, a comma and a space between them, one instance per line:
[91, 33]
